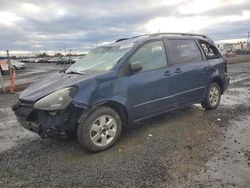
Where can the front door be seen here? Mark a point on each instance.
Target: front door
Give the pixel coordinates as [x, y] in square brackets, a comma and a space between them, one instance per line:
[148, 89]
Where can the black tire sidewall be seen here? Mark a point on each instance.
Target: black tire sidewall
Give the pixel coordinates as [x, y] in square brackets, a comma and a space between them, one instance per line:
[83, 130]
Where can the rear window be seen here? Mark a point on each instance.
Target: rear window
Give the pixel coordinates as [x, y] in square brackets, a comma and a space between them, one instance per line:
[184, 51]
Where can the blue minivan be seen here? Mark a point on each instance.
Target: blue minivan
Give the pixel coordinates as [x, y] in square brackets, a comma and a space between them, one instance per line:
[124, 82]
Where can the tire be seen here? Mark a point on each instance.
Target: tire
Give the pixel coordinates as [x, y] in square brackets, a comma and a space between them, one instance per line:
[96, 133]
[212, 97]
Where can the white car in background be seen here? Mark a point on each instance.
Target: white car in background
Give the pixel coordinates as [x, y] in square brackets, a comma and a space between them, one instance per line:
[17, 64]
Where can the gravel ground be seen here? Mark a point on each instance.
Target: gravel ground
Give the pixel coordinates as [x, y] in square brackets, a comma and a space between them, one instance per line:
[186, 148]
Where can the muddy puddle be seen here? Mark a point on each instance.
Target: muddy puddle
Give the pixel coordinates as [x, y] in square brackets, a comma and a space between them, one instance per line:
[231, 166]
[10, 131]
[236, 96]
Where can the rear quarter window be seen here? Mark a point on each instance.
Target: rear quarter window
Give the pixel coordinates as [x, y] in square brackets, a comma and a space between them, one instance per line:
[184, 51]
[210, 51]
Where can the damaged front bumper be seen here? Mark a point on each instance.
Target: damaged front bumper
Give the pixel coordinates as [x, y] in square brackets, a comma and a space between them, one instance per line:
[29, 125]
[48, 123]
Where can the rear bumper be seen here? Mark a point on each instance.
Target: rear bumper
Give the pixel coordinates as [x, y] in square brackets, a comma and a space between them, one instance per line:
[226, 83]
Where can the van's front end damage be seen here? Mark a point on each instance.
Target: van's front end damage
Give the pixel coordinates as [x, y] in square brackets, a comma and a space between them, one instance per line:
[53, 115]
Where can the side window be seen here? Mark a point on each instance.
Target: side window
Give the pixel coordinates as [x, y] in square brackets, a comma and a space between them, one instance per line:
[184, 51]
[151, 56]
[210, 51]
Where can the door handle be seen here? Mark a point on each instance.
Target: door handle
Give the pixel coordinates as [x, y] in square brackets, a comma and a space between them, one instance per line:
[178, 70]
[167, 73]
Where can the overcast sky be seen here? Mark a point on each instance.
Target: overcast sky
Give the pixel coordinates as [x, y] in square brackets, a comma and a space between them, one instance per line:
[77, 24]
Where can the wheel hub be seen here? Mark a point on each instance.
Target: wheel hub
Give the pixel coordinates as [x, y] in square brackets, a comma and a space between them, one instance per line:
[103, 130]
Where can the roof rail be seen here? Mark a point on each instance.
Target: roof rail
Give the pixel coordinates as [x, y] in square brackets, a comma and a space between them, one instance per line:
[122, 39]
[163, 34]
[182, 34]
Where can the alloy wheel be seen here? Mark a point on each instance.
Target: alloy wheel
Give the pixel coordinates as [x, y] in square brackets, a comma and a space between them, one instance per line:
[103, 130]
[214, 96]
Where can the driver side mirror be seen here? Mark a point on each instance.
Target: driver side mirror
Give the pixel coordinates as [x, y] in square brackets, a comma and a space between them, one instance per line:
[135, 67]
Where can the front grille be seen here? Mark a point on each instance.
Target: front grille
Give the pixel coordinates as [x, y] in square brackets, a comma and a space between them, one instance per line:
[25, 103]
[24, 108]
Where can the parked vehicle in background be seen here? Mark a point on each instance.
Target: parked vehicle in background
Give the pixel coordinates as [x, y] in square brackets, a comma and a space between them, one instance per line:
[25, 60]
[57, 59]
[63, 60]
[4, 67]
[240, 52]
[76, 58]
[17, 64]
[44, 60]
[124, 82]
[36, 60]
[230, 54]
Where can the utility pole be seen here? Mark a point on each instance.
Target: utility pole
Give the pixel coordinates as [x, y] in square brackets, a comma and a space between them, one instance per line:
[65, 52]
[9, 64]
[70, 62]
[248, 35]
[246, 49]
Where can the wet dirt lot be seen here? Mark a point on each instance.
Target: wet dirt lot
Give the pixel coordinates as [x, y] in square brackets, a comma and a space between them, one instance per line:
[186, 148]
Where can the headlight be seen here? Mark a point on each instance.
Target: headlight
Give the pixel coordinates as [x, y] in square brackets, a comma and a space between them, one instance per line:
[58, 100]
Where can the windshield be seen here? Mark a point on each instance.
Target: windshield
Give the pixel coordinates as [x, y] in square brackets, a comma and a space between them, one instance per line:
[100, 59]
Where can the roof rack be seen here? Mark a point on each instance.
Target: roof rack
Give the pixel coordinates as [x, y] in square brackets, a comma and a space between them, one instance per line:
[163, 34]
[122, 39]
[182, 34]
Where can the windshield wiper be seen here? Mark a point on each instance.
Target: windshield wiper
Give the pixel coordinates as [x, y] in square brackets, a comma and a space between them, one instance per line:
[75, 72]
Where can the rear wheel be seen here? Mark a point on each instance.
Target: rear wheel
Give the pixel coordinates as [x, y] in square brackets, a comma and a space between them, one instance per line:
[100, 130]
[212, 98]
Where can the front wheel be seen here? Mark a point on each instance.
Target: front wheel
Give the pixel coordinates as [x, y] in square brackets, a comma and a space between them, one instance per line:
[100, 130]
[212, 98]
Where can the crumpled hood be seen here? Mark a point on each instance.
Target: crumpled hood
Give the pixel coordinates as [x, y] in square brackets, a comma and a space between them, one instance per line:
[52, 83]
